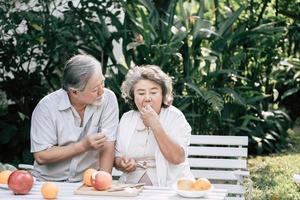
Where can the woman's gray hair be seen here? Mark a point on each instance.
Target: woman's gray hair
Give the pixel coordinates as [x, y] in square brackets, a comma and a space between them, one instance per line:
[147, 72]
[78, 70]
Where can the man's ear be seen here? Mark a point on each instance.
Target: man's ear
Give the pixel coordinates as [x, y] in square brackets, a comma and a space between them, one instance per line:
[73, 92]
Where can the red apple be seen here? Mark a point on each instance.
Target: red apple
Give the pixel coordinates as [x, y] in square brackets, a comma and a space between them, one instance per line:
[20, 182]
[101, 180]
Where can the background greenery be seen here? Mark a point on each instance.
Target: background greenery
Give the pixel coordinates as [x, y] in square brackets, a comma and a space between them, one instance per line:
[235, 64]
[272, 175]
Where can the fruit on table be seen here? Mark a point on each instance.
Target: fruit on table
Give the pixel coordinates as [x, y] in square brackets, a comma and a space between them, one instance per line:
[101, 180]
[185, 184]
[191, 185]
[4, 176]
[20, 182]
[49, 190]
[201, 184]
[87, 176]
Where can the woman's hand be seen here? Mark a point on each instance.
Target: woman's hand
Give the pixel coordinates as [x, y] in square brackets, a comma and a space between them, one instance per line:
[149, 116]
[125, 164]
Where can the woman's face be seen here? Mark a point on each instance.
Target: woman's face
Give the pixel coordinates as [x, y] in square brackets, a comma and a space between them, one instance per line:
[147, 92]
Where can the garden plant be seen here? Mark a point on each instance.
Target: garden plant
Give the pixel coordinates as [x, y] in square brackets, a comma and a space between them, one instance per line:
[235, 63]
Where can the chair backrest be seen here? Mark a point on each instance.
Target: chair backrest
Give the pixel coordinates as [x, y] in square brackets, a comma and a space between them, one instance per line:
[218, 158]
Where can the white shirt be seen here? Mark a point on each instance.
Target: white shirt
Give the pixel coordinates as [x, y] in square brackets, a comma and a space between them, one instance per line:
[176, 126]
[142, 148]
[55, 122]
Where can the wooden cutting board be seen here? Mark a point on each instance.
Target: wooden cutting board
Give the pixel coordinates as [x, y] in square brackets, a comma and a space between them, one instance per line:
[127, 192]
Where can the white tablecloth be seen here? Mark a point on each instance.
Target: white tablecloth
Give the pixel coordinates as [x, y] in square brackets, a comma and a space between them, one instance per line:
[66, 192]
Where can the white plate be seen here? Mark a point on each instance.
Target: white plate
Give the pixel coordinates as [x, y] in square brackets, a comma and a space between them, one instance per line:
[4, 186]
[192, 194]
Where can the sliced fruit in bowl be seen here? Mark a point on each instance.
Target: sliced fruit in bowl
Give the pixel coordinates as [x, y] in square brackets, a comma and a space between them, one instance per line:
[193, 188]
[202, 184]
[185, 184]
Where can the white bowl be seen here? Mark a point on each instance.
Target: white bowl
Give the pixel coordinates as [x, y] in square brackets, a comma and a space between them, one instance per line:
[192, 194]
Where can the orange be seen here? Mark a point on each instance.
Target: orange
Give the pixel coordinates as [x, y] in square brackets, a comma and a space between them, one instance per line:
[4, 176]
[87, 174]
[185, 184]
[49, 190]
[202, 184]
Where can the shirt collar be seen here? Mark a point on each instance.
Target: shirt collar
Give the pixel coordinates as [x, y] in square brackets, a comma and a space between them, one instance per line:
[64, 102]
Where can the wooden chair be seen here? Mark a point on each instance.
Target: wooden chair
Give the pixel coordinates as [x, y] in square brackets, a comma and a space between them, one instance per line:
[222, 160]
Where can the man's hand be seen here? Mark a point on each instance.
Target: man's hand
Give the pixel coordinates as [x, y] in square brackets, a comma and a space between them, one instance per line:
[59, 153]
[94, 141]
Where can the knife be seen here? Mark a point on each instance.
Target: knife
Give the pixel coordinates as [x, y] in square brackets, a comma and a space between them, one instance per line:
[122, 187]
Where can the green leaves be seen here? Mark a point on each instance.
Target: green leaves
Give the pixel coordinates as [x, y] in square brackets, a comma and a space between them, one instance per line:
[218, 69]
[289, 92]
[8, 132]
[228, 23]
[231, 64]
[212, 98]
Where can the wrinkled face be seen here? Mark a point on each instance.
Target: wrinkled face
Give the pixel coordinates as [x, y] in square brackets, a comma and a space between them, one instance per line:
[147, 92]
[93, 91]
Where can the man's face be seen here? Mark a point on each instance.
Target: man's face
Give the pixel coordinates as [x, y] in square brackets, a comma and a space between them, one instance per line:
[93, 91]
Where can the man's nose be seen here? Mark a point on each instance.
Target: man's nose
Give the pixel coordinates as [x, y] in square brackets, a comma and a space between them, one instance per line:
[100, 91]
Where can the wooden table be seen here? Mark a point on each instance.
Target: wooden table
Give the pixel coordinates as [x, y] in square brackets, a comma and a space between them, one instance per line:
[66, 192]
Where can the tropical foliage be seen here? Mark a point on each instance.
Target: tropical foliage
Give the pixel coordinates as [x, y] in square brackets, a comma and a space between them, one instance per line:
[235, 64]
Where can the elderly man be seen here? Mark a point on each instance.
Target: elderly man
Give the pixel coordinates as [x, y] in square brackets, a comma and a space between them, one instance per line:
[74, 128]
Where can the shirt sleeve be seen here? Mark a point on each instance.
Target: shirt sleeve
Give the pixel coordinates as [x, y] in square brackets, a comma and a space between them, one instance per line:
[181, 131]
[120, 142]
[110, 118]
[118, 152]
[43, 131]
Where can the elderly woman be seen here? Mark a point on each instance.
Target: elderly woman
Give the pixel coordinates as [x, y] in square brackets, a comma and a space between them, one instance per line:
[74, 128]
[152, 138]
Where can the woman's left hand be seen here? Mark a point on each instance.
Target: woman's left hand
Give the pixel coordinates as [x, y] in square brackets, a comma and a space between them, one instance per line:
[128, 164]
[149, 116]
